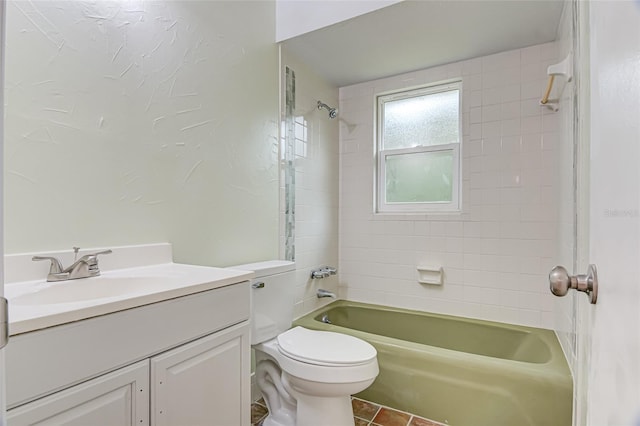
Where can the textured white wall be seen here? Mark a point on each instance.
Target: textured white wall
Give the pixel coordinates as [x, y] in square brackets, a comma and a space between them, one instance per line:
[136, 122]
[498, 251]
[316, 163]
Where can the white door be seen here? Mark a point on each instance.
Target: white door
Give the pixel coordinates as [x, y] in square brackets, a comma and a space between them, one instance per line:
[2, 375]
[608, 375]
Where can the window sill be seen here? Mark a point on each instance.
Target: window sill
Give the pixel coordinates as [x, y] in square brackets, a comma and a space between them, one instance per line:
[440, 215]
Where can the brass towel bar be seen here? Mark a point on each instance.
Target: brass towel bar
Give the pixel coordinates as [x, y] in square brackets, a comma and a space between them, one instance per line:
[564, 69]
[547, 93]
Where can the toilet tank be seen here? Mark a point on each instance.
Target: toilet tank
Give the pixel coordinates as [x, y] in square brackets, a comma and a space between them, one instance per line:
[272, 298]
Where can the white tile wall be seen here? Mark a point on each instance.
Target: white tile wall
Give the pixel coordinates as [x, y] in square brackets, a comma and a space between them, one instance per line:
[498, 251]
[316, 164]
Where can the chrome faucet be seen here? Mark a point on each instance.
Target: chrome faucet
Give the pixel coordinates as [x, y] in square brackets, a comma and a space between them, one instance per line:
[325, 293]
[323, 272]
[85, 267]
[318, 273]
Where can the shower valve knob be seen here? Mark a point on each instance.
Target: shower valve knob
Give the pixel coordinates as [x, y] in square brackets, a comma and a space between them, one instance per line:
[560, 282]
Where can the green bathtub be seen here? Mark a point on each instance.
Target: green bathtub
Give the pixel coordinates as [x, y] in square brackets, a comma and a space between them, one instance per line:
[460, 371]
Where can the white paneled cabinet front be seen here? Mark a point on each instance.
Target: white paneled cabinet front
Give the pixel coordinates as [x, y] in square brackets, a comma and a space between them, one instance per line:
[117, 398]
[184, 361]
[202, 383]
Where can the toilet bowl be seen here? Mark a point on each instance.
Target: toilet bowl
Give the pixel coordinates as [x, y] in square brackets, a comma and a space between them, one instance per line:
[306, 377]
[320, 370]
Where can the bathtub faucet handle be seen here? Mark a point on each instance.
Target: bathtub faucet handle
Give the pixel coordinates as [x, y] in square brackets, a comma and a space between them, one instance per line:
[331, 270]
[323, 272]
[318, 273]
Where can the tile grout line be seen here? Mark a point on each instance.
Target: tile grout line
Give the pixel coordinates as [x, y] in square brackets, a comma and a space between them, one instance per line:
[369, 422]
[364, 420]
[376, 413]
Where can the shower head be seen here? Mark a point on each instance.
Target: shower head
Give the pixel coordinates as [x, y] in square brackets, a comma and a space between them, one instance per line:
[333, 112]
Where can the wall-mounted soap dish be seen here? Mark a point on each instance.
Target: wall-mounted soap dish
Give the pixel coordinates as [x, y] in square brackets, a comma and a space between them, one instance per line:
[430, 275]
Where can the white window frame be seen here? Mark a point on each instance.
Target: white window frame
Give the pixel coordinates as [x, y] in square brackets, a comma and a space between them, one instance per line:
[417, 207]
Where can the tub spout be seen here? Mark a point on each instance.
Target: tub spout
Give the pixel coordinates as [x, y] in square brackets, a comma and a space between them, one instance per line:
[325, 293]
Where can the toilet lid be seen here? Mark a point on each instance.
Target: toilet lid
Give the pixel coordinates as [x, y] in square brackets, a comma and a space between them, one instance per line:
[324, 347]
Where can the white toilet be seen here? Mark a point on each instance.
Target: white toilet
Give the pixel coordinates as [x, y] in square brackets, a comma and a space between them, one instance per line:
[306, 376]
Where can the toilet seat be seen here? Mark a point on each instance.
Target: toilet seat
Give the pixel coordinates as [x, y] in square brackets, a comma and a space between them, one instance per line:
[325, 348]
[330, 373]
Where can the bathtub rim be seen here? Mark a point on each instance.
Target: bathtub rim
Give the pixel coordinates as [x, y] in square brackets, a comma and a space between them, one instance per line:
[557, 364]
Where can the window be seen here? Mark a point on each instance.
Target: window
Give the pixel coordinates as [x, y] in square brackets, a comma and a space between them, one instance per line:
[418, 149]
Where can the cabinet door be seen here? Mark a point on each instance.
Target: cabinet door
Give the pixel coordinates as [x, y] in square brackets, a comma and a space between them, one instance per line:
[205, 382]
[117, 398]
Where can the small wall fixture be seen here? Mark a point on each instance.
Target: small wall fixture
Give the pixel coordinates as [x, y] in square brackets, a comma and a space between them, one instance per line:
[333, 112]
[564, 69]
[323, 272]
[430, 275]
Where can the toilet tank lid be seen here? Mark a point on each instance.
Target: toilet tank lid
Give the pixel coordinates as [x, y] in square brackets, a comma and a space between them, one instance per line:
[266, 268]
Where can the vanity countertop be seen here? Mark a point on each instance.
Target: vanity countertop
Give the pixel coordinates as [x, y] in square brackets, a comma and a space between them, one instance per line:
[38, 304]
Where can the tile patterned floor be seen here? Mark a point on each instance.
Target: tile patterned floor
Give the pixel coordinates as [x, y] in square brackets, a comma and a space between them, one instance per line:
[365, 414]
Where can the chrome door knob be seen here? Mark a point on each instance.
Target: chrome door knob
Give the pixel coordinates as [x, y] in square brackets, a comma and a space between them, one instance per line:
[560, 282]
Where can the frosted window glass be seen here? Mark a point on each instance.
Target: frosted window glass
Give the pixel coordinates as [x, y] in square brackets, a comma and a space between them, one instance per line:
[425, 120]
[424, 177]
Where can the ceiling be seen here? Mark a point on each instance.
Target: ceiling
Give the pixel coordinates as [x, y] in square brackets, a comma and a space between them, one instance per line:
[418, 34]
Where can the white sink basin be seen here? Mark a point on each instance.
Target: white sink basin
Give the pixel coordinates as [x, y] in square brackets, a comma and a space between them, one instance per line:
[39, 304]
[82, 290]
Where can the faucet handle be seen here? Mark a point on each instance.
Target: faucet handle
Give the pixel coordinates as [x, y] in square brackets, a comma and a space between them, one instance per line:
[87, 265]
[94, 256]
[331, 270]
[56, 266]
[323, 272]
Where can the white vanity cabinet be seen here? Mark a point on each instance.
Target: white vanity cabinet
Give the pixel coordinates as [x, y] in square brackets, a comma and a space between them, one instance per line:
[183, 361]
